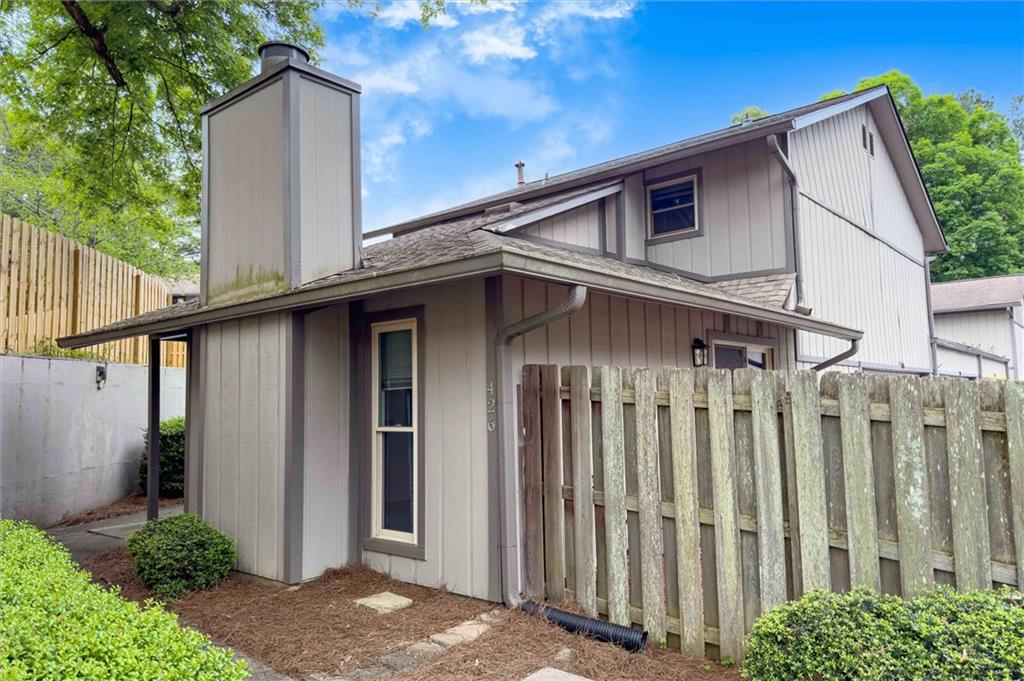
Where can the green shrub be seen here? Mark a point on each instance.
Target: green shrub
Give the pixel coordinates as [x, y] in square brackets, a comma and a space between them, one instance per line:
[180, 553]
[172, 458]
[863, 635]
[56, 624]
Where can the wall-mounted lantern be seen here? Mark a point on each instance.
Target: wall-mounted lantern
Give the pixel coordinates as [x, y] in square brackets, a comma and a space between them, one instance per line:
[101, 376]
[700, 353]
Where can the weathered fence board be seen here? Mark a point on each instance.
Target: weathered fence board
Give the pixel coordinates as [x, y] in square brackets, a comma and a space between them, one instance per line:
[51, 287]
[692, 492]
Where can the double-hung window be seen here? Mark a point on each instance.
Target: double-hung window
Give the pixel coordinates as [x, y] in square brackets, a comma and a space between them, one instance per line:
[673, 208]
[395, 470]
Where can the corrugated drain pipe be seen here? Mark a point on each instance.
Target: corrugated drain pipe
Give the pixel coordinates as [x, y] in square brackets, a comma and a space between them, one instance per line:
[508, 464]
[773, 144]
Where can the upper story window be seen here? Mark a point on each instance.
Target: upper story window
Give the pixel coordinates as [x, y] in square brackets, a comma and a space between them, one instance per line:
[672, 208]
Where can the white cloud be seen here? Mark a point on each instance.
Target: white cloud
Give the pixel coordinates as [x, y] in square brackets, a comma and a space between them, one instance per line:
[557, 18]
[502, 40]
[381, 148]
[488, 7]
[431, 74]
[399, 13]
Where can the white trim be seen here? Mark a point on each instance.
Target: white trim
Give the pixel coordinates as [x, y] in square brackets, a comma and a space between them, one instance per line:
[377, 531]
[829, 112]
[649, 211]
[535, 216]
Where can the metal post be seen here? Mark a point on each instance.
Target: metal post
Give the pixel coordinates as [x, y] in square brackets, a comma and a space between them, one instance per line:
[153, 467]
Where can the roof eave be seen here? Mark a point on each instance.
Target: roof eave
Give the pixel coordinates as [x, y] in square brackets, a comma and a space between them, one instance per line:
[480, 265]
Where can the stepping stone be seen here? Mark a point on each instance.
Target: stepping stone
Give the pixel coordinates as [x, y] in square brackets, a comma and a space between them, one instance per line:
[552, 674]
[385, 602]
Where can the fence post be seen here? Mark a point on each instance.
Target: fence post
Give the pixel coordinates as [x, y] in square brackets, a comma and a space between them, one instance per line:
[1014, 400]
[616, 539]
[771, 545]
[533, 483]
[5, 281]
[810, 482]
[76, 289]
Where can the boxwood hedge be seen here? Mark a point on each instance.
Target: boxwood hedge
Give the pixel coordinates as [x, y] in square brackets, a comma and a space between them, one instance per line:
[940, 635]
[172, 458]
[180, 553]
[56, 624]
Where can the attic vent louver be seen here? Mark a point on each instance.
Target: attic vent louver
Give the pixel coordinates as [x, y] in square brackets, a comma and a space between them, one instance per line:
[867, 139]
[871, 143]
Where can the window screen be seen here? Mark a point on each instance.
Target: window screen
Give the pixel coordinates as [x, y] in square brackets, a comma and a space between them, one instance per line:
[674, 207]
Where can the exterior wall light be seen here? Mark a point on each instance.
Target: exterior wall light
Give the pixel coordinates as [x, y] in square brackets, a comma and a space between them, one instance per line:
[101, 376]
[700, 353]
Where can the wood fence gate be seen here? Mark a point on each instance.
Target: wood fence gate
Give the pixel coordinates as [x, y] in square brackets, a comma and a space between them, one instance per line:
[691, 501]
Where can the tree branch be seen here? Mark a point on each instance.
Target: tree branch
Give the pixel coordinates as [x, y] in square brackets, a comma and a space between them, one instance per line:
[170, 10]
[95, 36]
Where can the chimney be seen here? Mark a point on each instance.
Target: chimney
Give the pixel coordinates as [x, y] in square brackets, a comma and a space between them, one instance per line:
[281, 202]
[521, 179]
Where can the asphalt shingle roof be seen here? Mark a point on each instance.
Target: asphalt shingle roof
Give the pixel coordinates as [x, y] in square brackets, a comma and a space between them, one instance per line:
[966, 294]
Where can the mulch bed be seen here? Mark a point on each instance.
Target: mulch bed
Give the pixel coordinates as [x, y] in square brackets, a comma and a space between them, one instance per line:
[523, 644]
[123, 506]
[299, 630]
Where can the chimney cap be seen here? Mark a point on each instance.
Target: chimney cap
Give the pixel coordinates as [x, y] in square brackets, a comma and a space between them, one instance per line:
[282, 49]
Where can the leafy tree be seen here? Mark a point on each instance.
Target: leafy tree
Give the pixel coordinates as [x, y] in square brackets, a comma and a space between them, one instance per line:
[970, 157]
[749, 113]
[99, 111]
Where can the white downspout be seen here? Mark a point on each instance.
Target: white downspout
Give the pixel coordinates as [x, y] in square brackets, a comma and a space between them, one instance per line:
[508, 461]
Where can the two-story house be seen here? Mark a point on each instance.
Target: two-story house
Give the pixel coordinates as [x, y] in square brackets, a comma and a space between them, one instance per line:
[355, 403]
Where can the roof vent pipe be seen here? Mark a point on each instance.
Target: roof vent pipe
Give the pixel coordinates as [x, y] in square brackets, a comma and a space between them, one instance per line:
[520, 178]
[277, 51]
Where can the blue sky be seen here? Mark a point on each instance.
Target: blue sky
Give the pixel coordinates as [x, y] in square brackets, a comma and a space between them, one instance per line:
[448, 110]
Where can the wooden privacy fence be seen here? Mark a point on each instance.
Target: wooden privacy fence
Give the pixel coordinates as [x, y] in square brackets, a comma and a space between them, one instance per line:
[51, 286]
[692, 501]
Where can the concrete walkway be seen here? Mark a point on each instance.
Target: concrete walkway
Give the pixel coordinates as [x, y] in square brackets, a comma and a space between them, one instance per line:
[87, 539]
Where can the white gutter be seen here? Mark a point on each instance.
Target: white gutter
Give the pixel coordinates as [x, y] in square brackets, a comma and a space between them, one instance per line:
[508, 461]
[773, 144]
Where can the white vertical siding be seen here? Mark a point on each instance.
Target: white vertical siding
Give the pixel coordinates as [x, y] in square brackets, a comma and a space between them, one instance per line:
[246, 196]
[988, 330]
[892, 218]
[742, 213]
[325, 176]
[578, 227]
[459, 523]
[833, 165]
[853, 279]
[242, 455]
[326, 498]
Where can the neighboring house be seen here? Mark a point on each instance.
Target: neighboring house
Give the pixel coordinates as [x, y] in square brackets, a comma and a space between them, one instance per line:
[351, 403]
[979, 324]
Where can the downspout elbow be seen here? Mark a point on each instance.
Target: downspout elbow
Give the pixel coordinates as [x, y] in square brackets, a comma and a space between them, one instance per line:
[787, 167]
[831, 361]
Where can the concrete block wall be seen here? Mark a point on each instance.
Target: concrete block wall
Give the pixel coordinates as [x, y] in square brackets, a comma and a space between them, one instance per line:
[66, 446]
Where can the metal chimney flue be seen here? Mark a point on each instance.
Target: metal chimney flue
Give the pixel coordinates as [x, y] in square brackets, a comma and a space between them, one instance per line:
[520, 177]
[276, 51]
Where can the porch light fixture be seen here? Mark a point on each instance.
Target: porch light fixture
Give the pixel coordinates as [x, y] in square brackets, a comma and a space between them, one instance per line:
[700, 353]
[101, 376]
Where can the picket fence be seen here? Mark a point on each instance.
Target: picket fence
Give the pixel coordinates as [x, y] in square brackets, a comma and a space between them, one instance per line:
[690, 502]
[51, 286]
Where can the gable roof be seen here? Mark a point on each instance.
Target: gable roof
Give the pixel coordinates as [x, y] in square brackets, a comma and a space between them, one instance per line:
[878, 98]
[978, 294]
[470, 247]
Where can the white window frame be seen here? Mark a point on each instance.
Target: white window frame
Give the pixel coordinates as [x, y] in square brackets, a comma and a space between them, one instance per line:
[378, 531]
[769, 346]
[695, 230]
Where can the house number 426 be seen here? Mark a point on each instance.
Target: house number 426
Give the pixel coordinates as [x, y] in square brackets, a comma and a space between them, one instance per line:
[492, 408]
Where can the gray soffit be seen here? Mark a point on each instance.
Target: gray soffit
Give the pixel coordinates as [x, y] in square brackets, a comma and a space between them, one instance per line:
[985, 293]
[781, 122]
